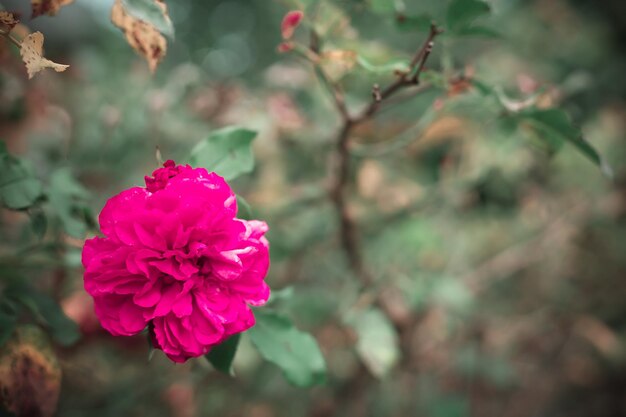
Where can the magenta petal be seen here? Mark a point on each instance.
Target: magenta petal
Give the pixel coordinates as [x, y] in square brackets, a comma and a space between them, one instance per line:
[182, 305]
[149, 296]
[175, 257]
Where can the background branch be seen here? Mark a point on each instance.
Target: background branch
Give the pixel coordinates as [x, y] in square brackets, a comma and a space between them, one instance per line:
[340, 177]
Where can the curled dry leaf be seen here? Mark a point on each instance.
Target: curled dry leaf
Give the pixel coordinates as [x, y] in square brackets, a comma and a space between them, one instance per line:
[141, 36]
[49, 7]
[32, 55]
[8, 20]
[30, 375]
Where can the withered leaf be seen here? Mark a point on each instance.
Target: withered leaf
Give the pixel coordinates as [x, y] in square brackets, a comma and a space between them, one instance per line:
[30, 375]
[140, 35]
[32, 55]
[8, 20]
[49, 7]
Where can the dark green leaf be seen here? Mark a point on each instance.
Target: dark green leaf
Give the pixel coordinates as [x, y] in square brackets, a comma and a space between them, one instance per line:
[19, 189]
[461, 13]
[222, 355]
[151, 348]
[556, 125]
[378, 341]
[48, 312]
[150, 12]
[226, 151]
[295, 352]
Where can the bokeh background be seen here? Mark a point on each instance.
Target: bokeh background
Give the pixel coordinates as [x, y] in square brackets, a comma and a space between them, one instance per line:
[503, 262]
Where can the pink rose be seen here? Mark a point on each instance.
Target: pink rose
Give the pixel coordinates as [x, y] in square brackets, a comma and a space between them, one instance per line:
[176, 259]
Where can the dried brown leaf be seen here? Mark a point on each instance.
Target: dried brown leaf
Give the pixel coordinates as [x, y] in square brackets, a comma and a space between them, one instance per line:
[30, 375]
[141, 36]
[49, 7]
[9, 19]
[32, 55]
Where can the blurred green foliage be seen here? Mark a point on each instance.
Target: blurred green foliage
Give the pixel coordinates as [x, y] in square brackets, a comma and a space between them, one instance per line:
[497, 248]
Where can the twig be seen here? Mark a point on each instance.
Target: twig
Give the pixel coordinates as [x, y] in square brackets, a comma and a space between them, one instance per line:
[11, 38]
[410, 78]
[341, 174]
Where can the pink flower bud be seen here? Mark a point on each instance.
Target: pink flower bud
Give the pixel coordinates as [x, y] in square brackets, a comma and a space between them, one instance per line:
[290, 22]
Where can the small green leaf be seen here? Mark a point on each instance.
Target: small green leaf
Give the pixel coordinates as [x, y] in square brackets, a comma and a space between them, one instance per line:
[295, 352]
[557, 126]
[223, 355]
[150, 12]
[461, 13]
[69, 200]
[226, 151]
[151, 348]
[19, 189]
[389, 67]
[244, 211]
[378, 341]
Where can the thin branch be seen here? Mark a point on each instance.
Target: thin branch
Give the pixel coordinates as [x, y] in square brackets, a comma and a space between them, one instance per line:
[410, 78]
[341, 173]
[11, 38]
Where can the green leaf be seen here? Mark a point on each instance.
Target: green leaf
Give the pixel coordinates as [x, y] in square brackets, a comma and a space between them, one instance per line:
[483, 88]
[150, 12]
[69, 200]
[226, 151]
[378, 341]
[390, 67]
[295, 352]
[48, 312]
[19, 189]
[244, 211]
[222, 355]
[420, 23]
[461, 13]
[282, 295]
[556, 126]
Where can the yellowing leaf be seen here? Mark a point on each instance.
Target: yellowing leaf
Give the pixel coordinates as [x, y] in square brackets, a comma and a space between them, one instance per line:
[140, 35]
[338, 62]
[32, 55]
[49, 7]
[8, 19]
